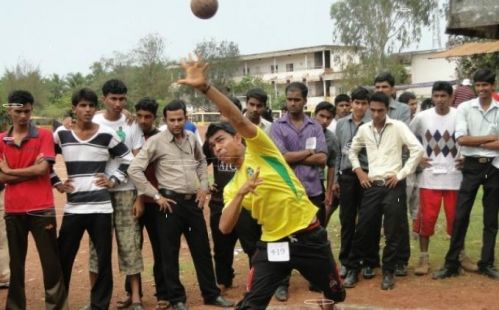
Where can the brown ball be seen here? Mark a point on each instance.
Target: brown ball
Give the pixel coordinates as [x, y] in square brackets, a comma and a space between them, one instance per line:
[204, 8]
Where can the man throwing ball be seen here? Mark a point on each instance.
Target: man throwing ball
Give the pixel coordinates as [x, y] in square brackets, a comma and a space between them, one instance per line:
[292, 237]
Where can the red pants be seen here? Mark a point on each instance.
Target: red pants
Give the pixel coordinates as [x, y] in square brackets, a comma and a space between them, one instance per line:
[429, 207]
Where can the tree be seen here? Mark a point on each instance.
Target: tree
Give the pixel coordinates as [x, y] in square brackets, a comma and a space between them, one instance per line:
[28, 77]
[152, 78]
[223, 59]
[467, 65]
[376, 29]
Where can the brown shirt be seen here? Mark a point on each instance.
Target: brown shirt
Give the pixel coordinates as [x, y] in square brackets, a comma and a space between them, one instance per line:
[179, 166]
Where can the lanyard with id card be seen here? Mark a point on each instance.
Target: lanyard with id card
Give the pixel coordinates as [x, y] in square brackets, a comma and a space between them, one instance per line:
[278, 251]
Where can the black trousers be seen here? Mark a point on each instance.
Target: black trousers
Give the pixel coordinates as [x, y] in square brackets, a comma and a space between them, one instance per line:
[310, 254]
[378, 201]
[404, 249]
[186, 219]
[149, 221]
[350, 198]
[318, 201]
[474, 175]
[247, 231]
[43, 227]
[98, 227]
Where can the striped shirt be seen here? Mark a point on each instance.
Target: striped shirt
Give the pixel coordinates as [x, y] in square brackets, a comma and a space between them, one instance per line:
[84, 160]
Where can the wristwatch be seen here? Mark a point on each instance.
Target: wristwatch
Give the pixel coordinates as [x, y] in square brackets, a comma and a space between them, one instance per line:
[157, 197]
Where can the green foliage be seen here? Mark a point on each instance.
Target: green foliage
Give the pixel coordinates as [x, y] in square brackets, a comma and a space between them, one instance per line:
[363, 74]
[378, 29]
[467, 65]
[223, 59]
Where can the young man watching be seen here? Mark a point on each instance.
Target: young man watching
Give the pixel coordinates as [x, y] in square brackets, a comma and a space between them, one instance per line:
[256, 104]
[477, 132]
[440, 179]
[302, 142]
[277, 200]
[26, 154]
[147, 210]
[342, 104]
[384, 139]
[181, 170]
[123, 195]
[409, 98]
[87, 147]
[348, 186]
[385, 82]
[324, 114]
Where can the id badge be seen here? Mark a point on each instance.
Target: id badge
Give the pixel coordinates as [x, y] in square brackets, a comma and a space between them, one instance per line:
[311, 143]
[439, 170]
[278, 251]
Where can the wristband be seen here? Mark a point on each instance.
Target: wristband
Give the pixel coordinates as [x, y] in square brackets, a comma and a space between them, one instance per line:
[205, 88]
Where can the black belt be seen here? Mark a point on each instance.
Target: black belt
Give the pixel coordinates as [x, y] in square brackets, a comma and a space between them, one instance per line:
[349, 171]
[174, 195]
[480, 160]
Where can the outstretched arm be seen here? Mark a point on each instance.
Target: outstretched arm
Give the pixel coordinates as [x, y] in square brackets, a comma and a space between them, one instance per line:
[196, 78]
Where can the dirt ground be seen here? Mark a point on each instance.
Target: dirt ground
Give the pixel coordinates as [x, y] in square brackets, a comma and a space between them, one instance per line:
[469, 291]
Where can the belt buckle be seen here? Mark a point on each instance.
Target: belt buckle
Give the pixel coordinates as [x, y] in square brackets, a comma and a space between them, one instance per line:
[483, 160]
[379, 183]
[188, 196]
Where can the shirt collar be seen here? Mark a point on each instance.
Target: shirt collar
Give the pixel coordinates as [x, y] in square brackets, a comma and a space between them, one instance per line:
[171, 138]
[387, 121]
[32, 133]
[475, 103]
[364, 119]
[285, 119]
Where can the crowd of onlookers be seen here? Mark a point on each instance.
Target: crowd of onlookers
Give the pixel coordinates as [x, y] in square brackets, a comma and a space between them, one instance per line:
[387, 165]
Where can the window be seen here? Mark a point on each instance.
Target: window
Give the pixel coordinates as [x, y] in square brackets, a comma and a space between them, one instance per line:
[246, 71]
[274, 68]
[289, 67]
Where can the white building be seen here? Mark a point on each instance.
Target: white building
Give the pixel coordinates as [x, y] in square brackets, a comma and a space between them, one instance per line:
[319, 67]
[425, 70]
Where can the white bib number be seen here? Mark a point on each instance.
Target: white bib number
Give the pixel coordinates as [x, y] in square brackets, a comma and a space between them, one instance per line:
[311, 143]
[278, 251]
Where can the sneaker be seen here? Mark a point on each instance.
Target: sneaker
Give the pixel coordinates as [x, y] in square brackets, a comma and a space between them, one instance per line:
[424, 266]
[467, 264]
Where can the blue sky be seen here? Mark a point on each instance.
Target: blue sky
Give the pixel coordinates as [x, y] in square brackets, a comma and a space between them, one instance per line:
[62, 36]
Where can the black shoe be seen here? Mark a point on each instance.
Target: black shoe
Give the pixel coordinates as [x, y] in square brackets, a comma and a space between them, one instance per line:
[368, 272]
[388, 281]
[351, 278]
[281, 293]
[490, 271]
[401, 270]
[445, 272]
[221, 302]
[343, 272]
[179, 306]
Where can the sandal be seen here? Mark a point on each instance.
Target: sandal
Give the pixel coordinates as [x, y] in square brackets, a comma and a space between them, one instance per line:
[162, 305]
[125, 303]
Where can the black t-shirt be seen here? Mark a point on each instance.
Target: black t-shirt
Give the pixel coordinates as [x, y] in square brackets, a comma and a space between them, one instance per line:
[222, 174]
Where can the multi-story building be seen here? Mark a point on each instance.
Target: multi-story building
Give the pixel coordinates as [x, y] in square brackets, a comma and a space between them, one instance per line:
[319, 67]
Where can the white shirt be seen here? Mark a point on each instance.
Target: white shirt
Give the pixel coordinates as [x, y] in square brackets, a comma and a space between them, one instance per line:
[437, 133]
[472, 120]
[384, 149]
[131, 135]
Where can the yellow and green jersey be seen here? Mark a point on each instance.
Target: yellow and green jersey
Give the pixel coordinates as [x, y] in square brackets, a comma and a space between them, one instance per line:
[280, 203]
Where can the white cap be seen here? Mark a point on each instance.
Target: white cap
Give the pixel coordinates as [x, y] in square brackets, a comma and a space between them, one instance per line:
[466, 82]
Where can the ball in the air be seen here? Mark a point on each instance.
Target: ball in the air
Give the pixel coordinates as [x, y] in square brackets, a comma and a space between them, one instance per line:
[204, 9]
